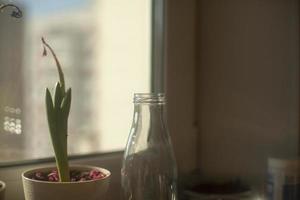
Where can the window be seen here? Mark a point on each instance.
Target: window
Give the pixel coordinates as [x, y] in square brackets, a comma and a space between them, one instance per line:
[105, 49]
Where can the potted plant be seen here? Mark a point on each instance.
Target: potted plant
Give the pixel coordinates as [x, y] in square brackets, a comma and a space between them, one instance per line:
[63, 181]
[17, 13]
[2, 190]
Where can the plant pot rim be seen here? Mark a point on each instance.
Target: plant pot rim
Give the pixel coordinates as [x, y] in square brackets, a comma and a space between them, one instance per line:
[30, 171]
[2, 187]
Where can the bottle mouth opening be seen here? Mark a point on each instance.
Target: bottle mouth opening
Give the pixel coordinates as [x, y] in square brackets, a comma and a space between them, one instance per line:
[149, 98]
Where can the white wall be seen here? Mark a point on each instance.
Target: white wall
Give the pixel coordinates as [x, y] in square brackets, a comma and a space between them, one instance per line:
[247, 85]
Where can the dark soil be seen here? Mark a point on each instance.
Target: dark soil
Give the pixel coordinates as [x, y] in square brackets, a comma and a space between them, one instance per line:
[76, 176]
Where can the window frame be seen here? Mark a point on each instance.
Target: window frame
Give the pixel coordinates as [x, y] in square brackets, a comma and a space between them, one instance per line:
[158, 46]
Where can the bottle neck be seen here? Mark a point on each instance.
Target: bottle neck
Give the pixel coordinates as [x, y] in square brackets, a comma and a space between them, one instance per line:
[149, 115]
[148, 121]
[149, 128]
[149, 125]
[149, 108]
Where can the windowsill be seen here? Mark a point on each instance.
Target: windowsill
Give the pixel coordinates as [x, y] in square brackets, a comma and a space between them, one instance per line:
[52, 159]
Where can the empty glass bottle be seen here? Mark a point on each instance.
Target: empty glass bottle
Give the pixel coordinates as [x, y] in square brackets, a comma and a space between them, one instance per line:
[149, 169]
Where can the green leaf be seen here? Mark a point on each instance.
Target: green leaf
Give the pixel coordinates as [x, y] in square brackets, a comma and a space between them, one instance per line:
[58, 96]
[50, 111]
[66, 103]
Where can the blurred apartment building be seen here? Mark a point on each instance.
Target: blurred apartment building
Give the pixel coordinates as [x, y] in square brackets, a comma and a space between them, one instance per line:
[71, 35]
[11, 87]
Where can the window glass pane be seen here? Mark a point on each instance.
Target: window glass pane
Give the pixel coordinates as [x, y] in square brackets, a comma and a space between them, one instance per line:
[104, 47]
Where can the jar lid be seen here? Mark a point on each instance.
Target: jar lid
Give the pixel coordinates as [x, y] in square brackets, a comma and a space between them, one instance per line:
[284, 164]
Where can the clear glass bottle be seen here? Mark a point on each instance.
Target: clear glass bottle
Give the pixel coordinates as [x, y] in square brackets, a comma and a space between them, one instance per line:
[149, 169]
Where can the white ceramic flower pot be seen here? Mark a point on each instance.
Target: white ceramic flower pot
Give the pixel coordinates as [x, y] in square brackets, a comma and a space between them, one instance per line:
[87, 190]
[2, 190]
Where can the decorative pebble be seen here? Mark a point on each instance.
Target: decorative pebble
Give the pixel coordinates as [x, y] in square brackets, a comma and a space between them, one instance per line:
[76, 176]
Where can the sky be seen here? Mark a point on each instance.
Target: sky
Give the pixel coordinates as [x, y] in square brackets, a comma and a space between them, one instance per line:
[45, 7]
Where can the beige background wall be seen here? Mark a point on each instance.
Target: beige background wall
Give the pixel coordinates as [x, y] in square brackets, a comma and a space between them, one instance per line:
[180, 81]
[247, 62]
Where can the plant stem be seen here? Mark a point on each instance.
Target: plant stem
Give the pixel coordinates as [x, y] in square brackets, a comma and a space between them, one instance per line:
[60, 72]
